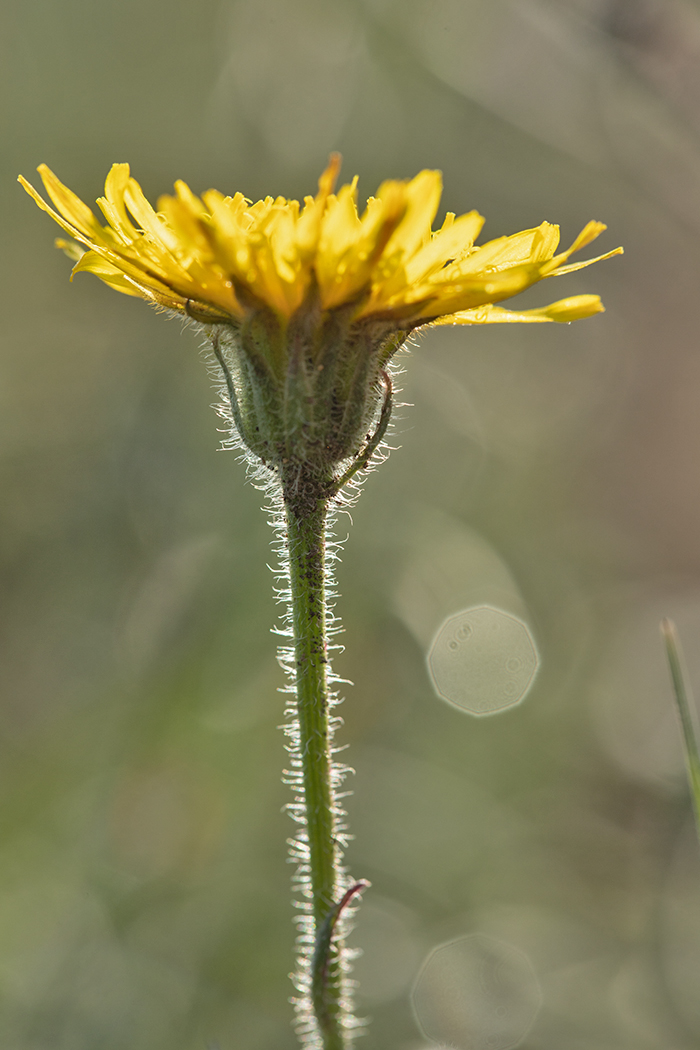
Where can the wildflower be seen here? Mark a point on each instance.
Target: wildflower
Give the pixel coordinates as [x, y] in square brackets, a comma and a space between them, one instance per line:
[305, 305]
[304, 308]
[221, 257]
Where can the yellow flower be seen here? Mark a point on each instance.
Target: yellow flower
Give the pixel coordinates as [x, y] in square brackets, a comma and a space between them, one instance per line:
[221, 258]
[305, 305]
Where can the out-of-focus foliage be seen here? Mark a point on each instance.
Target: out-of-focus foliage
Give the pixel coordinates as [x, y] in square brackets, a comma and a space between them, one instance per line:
[551, 472]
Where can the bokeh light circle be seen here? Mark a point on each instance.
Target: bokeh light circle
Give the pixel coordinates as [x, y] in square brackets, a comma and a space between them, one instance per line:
[476, 993]
[483, 660]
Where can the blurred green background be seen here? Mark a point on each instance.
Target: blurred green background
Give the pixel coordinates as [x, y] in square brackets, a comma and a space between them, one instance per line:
[550, 470]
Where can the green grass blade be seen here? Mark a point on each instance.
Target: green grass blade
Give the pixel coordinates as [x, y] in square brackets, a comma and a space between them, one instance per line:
[686, 711]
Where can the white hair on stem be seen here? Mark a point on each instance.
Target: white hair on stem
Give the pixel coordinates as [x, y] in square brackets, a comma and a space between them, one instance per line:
[267, 481]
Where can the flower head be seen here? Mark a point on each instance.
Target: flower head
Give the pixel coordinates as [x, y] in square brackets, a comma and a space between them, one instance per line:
[306, 304]
[219, 257]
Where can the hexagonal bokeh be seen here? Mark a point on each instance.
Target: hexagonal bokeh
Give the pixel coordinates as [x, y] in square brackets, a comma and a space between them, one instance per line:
[476, 993]
[483, 660]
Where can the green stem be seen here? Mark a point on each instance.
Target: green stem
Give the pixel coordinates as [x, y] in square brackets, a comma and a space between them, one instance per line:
[306, 533]
[686, 712]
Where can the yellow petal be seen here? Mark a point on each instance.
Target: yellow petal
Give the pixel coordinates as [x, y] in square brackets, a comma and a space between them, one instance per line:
[190, 200]
[136, 278]
[146, 216]
[308, 225]
[112, 204]
[450, 243]
[422, 197]
[473, 291]
[91, 262]
[571, 267]
[69, 248]
[528, 246]
[69, 204]
[67, 226]
[97, 246]
[589, 233]
[327, 181]
[575, 308]
[350, 248]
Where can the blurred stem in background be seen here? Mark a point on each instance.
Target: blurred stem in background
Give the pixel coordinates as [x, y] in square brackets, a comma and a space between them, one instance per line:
[686, 711]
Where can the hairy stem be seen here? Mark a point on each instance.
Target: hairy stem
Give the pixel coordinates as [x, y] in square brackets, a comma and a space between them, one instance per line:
[306, 535]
